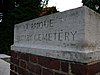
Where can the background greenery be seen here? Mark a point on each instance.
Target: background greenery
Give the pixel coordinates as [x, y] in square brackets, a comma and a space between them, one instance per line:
[93, 4]
[16, 11]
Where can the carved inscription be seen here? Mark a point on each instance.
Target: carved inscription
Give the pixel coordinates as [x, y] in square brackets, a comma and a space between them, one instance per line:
[56, 36]
[32, 32]
[36, 25]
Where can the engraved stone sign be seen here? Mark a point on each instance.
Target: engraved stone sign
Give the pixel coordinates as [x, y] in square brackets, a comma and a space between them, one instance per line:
[57, 30]
[71, 35]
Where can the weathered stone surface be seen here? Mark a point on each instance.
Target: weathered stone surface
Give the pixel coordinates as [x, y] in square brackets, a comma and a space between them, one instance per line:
[60, 30]
[71, 35]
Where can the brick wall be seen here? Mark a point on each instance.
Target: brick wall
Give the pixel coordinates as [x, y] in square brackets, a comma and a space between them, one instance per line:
[27, 64]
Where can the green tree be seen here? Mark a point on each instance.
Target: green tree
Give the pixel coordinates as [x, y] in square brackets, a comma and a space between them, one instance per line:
[44, 3]
[23, 10]
[16, 11]
[93, 4]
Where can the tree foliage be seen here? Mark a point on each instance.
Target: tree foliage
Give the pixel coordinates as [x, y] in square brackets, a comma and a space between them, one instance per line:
[15, 11]
[48, 10]
[23, 10]
[44, 3]
[93, 4]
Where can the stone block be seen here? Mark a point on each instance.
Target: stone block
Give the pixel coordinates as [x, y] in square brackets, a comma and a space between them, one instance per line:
[73, 35]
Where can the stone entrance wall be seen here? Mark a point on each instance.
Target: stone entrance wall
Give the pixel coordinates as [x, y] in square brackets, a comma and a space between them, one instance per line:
[66, 43]
[29, 64]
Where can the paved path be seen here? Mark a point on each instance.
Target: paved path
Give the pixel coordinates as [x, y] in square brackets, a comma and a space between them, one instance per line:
[4, 68]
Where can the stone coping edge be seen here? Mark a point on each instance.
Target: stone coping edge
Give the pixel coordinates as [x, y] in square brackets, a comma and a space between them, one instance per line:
[76, 56]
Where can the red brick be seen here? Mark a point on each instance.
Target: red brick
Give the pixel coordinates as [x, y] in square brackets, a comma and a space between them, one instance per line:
[18, 55]
[22, 71]
[64, 66]
[33, 58]
[24, 56]
[14, 54]
[16, 69]
[49, 62]
[84, 69]
[12, 73]
[93, 69]
[14, 61]
[23, 64]
[13, 67]
[30, 73]
[34, 68]
[47, 72]
[59, 74]
[79, 69]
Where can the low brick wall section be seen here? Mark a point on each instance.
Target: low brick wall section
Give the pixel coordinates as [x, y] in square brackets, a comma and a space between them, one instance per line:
[28, 64]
